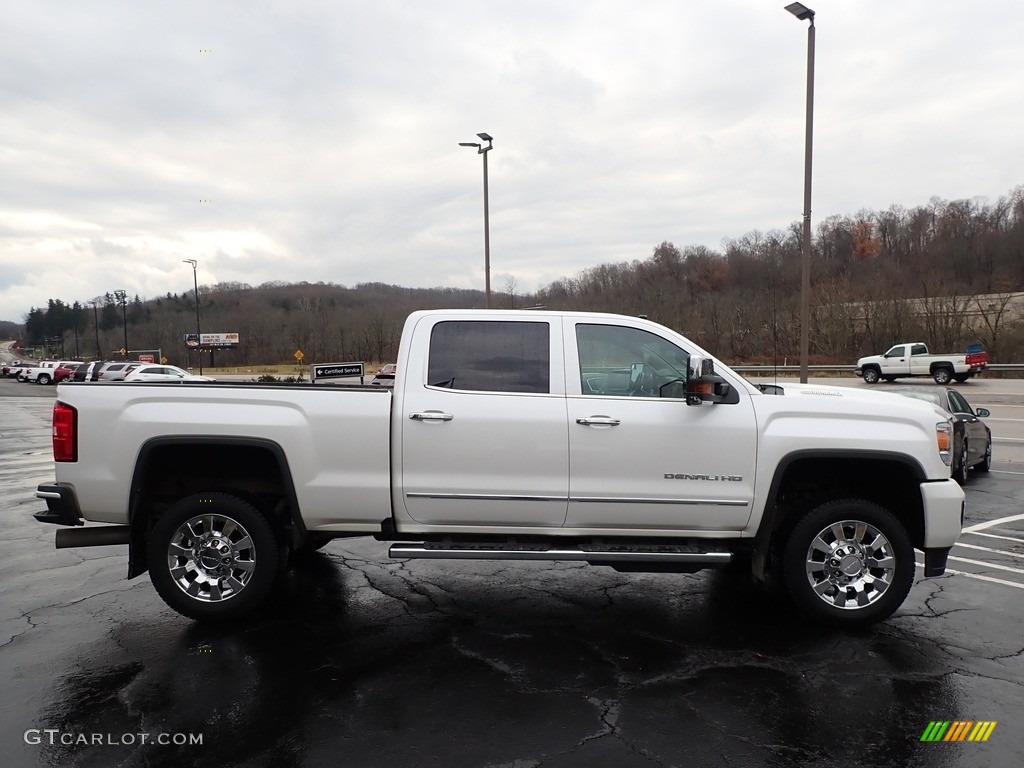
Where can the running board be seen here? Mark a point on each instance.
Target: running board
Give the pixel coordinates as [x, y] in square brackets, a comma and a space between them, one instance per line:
[681, 554]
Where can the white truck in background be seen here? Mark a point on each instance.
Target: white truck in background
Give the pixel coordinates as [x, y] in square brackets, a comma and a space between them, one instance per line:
[913, 359]
[597, 438]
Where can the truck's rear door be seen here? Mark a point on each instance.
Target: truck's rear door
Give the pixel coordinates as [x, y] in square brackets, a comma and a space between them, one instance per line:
[481, 423]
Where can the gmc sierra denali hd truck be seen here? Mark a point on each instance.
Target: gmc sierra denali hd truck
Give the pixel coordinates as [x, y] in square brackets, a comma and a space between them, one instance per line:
[596, 438]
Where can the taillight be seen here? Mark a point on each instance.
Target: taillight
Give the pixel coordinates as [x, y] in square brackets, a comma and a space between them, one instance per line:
[65, 432]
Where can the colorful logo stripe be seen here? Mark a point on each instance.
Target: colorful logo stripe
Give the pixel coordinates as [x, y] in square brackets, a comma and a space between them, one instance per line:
[959, 730]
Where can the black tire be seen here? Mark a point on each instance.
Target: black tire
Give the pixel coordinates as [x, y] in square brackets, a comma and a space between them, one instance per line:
[44, 378]
[960, 466]
[986, 463]
[942, 375]
[868, 572]
[220, 536]
[871, 375]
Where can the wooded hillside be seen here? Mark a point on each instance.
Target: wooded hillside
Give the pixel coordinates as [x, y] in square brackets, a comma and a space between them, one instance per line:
[961, 262]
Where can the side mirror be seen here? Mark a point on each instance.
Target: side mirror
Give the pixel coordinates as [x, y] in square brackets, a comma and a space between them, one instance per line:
[703, 385]
[983, 412]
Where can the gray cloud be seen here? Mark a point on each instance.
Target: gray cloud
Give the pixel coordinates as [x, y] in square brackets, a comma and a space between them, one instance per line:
[325, 133]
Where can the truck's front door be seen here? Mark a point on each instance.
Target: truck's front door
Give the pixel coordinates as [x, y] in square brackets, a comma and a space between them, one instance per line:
[896, 361]
[483, 425]
[640, 460]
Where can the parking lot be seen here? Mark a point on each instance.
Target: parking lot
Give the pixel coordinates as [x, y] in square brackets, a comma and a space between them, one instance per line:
[362, 661]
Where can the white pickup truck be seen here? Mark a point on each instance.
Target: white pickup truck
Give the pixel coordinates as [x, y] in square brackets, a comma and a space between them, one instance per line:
[913, 359]
[597, 438]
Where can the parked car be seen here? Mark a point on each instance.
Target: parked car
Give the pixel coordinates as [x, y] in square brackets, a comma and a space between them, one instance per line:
[17, 368]
[972, 439]
[43, 373]
[162, 373]
[65, 371]
[385, 376]
[89, 371]
[117, 371]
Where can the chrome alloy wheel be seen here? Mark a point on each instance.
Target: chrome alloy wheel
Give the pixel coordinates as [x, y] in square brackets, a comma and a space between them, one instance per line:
[850, 564]
[211, 558]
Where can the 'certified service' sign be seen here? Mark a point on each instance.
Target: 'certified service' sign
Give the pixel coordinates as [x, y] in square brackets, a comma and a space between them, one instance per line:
[336, 370]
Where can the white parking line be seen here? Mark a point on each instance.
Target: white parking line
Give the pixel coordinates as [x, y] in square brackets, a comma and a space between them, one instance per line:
[979, 577]
[996, 536]
[1008, 439]
[990, 549]
[1004, 472]
[988, 565]
[992, 523]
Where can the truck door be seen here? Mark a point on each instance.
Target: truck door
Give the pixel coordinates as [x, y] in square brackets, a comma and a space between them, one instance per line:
[483, 424]
[920, 360]
[643, 460]
[896, 361]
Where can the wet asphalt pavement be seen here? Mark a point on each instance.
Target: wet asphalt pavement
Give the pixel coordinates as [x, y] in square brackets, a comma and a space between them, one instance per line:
[362, 661]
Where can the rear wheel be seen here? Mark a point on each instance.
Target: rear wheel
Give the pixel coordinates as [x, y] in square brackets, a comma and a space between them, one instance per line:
[213, 556]
[871, 375]
[942, 375]
[849, 562]
[44, 378]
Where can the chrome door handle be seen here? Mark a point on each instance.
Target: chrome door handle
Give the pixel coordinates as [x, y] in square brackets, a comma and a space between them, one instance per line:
[431, 416]
[599, 421]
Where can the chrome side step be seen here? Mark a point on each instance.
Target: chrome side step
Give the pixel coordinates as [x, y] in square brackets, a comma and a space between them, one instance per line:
[511, 550]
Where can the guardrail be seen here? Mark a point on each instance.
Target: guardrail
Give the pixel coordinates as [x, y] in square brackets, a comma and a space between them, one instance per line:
[1005, 367]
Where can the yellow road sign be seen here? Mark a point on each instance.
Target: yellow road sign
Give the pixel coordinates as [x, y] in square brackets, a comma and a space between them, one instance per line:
[298, 354]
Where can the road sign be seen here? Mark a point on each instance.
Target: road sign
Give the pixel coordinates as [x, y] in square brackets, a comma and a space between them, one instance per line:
[123, 351]
[298, 354]
[336, 370]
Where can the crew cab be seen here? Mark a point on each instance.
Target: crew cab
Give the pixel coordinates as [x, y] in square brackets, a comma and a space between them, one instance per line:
[913, 359]
[596, 438]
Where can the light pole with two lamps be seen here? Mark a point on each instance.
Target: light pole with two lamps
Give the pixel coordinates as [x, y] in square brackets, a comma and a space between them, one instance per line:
[199, 334]
[482, 150]
[803, 13]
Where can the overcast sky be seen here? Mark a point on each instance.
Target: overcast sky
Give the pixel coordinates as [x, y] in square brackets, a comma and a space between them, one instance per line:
[318, 141]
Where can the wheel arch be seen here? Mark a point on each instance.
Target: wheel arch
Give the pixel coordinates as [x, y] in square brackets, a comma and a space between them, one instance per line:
[171, 468]
[805, 479]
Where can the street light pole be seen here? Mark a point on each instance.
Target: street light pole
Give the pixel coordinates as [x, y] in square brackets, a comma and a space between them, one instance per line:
[96, 326]
[803, 13]
[122, 296]
[482, 150]
[199, 334]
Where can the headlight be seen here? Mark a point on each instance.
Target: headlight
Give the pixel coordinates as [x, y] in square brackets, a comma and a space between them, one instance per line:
[944, 440]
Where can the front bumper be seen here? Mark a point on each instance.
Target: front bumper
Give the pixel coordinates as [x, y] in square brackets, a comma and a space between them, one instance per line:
[943, 520]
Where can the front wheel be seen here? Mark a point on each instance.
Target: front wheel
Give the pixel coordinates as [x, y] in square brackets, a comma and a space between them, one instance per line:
[849, 563]
[942, 375]
[871, 375]
[213, 556]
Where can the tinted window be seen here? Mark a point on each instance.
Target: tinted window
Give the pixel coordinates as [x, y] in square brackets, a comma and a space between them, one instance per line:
[618, 361]
[490, 356]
